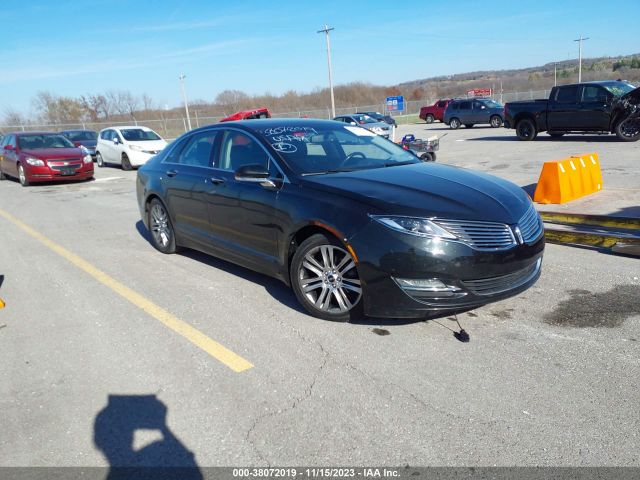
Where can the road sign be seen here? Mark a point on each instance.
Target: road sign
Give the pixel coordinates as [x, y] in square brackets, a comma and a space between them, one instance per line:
[395, 104]
[479, 92]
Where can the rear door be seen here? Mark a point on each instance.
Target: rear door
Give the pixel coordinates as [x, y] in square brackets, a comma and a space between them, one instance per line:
[562, 109]
[10, 157]
[187, 180]
[465, 112]
[593, 113]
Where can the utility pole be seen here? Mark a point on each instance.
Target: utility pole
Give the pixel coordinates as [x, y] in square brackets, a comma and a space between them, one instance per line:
[555, 76]
[580, 40]
[184, 98]
[326, 31]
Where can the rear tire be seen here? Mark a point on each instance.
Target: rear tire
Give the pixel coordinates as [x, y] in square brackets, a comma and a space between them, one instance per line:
[22, 176]
[628, 130]
[325, 280]
[126, 163]
[454, 123]
[495, 121]
[99, 160]
[428, 157]
[526, 130]
[163, 236]
[429, 118]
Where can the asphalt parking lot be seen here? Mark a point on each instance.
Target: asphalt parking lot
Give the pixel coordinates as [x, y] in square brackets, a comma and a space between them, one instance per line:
[550, 377]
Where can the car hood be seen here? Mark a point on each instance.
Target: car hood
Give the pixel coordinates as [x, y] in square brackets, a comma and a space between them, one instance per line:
[429, 190]
[88, 143]
[54, 153]
[150, 144]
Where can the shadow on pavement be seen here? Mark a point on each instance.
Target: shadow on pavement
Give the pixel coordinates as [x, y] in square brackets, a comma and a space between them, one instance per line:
[131, 419]
[547, 138]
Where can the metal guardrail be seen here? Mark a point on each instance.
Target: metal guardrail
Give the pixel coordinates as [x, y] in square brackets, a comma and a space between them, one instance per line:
[616, 234]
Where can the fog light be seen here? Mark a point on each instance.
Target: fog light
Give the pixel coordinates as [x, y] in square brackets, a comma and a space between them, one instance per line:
[423, 284]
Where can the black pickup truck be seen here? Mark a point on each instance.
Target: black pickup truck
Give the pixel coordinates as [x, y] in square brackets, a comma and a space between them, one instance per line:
[592, 107]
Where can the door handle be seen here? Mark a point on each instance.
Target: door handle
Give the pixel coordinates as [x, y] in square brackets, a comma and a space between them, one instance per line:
[172, 173]
[217, 181]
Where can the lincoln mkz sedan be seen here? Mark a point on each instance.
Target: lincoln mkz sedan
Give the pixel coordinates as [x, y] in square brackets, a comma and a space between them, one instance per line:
[351, 221]
[43, 157]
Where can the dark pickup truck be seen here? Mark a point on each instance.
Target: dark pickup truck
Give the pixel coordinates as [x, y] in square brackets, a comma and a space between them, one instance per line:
[592, 107]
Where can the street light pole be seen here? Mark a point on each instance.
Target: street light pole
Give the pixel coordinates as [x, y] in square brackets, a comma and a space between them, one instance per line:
[555, 76]
[580, 40]
[326, 31]
[184, 98]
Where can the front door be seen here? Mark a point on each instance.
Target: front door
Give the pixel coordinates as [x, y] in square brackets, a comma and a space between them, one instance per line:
[241, 213]
[593, 113]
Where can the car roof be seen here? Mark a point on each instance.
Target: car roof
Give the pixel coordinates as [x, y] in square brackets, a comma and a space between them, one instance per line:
[598, 82]
[19, 134]
[255, 125]
[77, 130]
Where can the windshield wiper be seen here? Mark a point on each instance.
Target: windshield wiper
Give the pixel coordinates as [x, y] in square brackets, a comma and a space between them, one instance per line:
[393, 164]
[333, 170]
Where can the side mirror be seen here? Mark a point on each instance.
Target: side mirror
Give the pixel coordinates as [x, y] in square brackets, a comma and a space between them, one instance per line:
[254, 174]
[77, 144]
[8, 147]
[116, 141]
[483, 107]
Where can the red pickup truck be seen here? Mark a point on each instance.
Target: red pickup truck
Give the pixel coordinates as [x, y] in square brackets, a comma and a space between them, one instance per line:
[248, 115]
[435, 111]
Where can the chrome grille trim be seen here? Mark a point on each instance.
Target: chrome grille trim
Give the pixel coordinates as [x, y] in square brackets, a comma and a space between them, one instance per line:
[504, 283]
[486, 236]
[530, 225]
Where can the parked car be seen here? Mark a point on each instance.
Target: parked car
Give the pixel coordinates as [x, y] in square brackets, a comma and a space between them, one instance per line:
[42, 157]
[248, 115]
[128, 147]
[379, 128]
[434, 112]
[591, 107]
[473, 111]
[85, 138]
[381, 117]
[352, 222]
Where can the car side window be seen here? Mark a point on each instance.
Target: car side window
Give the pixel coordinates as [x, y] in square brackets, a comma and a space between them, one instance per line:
[199, 150]
[567, 94]
[465, 105]
[238, 150]
[477, 105]
[440, 104]
[593, 93]
[173, 154]
[13, 141]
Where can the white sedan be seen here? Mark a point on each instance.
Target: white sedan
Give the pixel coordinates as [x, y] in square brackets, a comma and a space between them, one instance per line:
[127, 146]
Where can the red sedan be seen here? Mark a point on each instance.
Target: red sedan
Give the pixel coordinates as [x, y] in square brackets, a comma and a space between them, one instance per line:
[43, 157]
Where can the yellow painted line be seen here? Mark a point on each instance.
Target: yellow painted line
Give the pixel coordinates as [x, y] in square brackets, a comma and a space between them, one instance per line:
[195, 336]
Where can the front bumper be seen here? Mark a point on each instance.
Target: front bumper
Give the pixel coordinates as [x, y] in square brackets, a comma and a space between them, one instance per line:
[474, 278]
[58, 173]
[139, 158]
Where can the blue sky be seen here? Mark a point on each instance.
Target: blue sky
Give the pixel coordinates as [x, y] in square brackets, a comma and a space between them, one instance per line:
[87, 46]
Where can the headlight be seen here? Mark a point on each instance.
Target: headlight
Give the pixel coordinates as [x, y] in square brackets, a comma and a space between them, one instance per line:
[377, 130]
[36, 162]
[87, 159]
[137, 148]
[414, 226]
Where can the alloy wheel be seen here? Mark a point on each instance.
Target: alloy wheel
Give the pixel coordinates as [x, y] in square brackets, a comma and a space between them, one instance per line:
[329, 279]
[160, 226]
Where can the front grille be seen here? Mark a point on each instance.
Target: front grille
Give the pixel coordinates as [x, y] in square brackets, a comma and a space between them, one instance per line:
[65, 168]
[495, 285]
[530, 225]
[480, 235]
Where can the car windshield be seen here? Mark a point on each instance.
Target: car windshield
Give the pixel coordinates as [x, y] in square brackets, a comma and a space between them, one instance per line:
[81, 135]
[139, 135]
[492, 104]
[362, 119]
[43, 140]
[618, 88]
[375, 115]
[325, 149]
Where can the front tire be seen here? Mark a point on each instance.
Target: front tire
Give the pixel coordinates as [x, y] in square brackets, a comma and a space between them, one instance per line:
[325, 279]
[495, 121]
[526, 130]
[428, 157]
[126, 163]
[2, 176]
[99, 160]
[22, 176]
[454, 123]
[628, 130]
[163, 236]
[429, 118]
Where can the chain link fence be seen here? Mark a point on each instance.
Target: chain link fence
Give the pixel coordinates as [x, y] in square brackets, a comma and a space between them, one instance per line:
[173, 127]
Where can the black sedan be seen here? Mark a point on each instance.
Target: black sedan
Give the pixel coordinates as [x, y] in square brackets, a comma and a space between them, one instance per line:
[351, 221]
